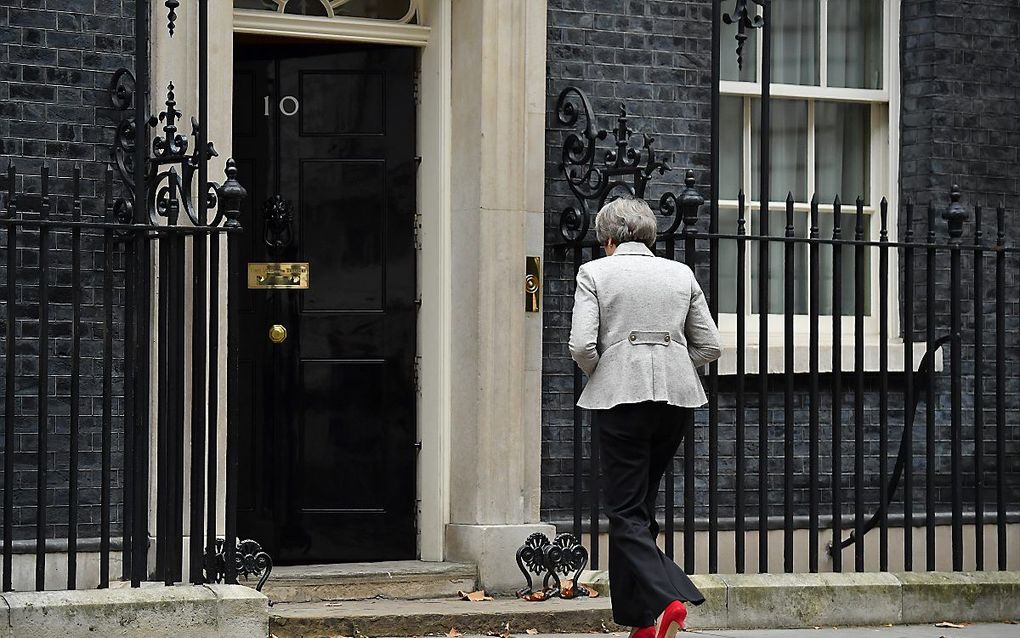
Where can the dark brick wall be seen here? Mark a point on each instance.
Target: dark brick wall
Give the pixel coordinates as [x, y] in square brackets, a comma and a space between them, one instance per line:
[56, 61]
[957, 126]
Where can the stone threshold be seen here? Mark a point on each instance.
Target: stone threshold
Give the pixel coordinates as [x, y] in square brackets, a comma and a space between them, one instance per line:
[746, 601]
[352, 581]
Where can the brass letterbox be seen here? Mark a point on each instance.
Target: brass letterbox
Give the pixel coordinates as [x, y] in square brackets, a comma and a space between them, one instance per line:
[275, 275]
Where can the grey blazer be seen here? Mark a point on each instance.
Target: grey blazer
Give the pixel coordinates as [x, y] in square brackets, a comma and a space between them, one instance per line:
[640, 327]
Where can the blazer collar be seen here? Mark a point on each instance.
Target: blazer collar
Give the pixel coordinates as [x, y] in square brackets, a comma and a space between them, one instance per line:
[633, 248]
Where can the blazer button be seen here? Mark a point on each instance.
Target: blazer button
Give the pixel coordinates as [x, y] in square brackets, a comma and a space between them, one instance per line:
[667, 338]
[633, 337]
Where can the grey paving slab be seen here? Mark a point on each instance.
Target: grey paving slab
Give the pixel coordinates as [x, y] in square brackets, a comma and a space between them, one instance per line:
[905, 631]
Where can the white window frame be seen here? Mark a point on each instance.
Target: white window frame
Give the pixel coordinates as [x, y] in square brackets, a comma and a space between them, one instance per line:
[884, 181]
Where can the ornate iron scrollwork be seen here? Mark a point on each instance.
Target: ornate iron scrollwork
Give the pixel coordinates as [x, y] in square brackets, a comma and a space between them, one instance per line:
[122, 92]
[742, 17]
[568, 557]
[531, 560]
[539, 556]
[621, 170]
[250, 561]
[171, 170]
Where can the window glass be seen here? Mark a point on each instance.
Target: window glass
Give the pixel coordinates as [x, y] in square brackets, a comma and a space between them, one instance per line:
[802, 264]
[795, 29]
[306, 7]
[847, 225]
[788, 141]
[854, 51]
[728, 261]
[378, 9]
[731, 146]
[842, 145]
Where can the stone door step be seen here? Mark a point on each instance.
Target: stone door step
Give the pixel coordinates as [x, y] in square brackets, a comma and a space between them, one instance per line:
[422, 617]
[354, 581]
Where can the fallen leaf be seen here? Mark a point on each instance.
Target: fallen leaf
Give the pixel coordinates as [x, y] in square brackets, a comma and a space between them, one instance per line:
[453, 633]
[536, 596]
[605, 629]
[531, 632]
[949, 625]
[591, 590]
[474, 596]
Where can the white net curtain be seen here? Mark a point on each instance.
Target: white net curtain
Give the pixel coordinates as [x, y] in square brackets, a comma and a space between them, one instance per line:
[832, 53]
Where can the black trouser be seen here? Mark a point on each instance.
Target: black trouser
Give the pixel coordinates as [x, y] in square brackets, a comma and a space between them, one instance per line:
[637, 441]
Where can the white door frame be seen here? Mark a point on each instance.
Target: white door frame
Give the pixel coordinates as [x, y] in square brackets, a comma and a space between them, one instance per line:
[434, 274]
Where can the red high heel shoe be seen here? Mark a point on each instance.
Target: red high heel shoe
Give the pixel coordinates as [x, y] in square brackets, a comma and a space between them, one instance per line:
[643, 632]
[672, 620]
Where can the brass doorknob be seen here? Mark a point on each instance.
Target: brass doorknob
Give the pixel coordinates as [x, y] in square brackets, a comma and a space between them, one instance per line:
[277, 333]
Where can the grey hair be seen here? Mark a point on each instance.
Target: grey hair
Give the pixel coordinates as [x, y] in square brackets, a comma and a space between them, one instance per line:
[626, 219]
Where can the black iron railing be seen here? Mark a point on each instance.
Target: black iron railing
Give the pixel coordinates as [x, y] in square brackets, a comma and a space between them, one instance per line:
[848, 412]
[115, 348]
[97, 353]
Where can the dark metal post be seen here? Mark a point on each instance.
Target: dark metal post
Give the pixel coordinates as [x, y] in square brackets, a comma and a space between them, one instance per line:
[837, 386]
[140, 541]
[740, 434]
[43, 381]
[130, 372]
[1000, 384]
[908, 390]
[690, 201]
[231, 193]
[72, 470]
[859, 300]
[763, 292]
[713, 300]
[955, 217]
[107, 427]
[883, 383]
[929, 399]
[141, 426]
[979, 394]
[212, 483]
[199, 313]
[10, 372]
[813, 416]
[578, 431]
[788, 362]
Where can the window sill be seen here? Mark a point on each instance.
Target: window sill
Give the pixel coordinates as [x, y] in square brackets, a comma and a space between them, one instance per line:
[801, 357]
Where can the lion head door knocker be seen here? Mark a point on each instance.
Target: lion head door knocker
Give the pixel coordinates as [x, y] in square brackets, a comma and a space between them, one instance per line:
[278, 214]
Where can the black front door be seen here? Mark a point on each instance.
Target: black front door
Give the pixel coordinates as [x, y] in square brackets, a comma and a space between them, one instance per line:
[325, 139]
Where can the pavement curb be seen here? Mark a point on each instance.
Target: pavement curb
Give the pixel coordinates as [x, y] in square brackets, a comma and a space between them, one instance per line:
[752, 601]
[744, 601]
[213, 611]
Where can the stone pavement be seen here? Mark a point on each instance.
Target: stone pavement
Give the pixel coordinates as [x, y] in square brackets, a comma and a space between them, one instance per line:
[902, 631]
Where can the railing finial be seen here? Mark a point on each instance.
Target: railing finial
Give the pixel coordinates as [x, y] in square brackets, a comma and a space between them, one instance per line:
[956, 214]
[231, 193]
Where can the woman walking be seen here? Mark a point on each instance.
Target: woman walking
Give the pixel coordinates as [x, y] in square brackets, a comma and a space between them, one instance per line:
[640, 329]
